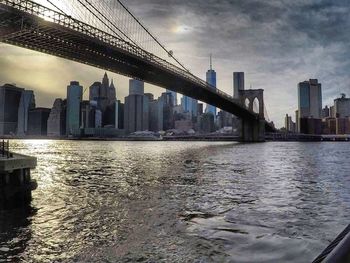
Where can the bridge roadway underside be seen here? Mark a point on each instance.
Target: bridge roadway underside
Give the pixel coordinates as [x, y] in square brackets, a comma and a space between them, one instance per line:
[32, 32]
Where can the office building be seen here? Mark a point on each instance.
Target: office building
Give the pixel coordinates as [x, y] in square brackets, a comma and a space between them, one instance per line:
[56, 123]
[167, 106]
[238, 83]
[342, 107]
[156, 115]
[309, 100]
[91, 116]
[289, 125]
[211, 80]
[119, 115]
[224, 119]
[74, 98]
[189, 105]
[174, 94]
[136, 108]
[10, 97]
[37, 121]
[26, 104]
[206, 123]
[325, 112]
[136, 87]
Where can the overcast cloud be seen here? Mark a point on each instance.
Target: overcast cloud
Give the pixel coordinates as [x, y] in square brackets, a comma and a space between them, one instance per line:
[277, 44]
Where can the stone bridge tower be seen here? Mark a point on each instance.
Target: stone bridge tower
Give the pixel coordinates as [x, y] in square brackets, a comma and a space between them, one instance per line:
[253, 130]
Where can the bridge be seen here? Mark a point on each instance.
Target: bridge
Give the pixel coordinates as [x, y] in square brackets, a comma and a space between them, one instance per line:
[106, 35]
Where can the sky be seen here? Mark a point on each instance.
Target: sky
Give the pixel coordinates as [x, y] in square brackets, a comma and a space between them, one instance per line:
[276, 43]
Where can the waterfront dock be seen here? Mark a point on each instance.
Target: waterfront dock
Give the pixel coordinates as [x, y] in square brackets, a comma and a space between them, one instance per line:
[16, 185]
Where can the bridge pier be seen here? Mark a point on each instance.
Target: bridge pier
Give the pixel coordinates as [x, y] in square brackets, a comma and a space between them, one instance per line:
[253, 130]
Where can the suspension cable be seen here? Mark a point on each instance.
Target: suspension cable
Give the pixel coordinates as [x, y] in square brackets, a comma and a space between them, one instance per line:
[155, 39]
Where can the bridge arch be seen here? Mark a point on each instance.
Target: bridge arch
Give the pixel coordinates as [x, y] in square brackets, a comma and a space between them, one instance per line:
[256, 104]
[253, 96]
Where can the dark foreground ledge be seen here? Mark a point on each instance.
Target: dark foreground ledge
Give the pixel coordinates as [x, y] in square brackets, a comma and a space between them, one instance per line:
[338, 251]
[16, 185]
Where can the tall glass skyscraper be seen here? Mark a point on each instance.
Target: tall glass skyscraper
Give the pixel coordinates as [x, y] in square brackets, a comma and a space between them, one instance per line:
[174, 96]
[189, 105]
[26, 103]
[74, 97]
[309, 100]
[10, 97]
[211, 79]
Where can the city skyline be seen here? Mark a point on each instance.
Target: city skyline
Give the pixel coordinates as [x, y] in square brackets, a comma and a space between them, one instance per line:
[275, 54]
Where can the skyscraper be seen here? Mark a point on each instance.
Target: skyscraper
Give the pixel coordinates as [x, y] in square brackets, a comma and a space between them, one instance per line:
[174, 94]
[56, 123]
[211, 79]
[26, 104]
[342, 107]
[310, 99]
[136, 108]
[189, 105]
[10, 97]
[37, 121]
[238, 83]
[74, 97]
[136, 87]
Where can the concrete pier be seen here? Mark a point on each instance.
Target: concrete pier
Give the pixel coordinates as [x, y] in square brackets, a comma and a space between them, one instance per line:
[253, 131]
[16, 184]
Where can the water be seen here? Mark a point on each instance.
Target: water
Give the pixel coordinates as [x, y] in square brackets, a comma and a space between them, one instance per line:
[179, 202]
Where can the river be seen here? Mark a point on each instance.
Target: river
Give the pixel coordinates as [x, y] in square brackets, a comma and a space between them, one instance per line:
[100, 201]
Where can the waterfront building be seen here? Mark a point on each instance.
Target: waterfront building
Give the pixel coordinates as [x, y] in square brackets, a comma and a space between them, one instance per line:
[174, 94]
[200, 109]
[332, 112]
[112, 94]
[224, 119]
[56, 123]
[289, 125]
[211, 80]
[310, 126]
[74, 98]
[95, 92]
[206, 123]
[119, 115]
[342, 125]
[88, 115]
[136, 87]
[156, 115]
[37, 121]
[238, 83]
[309, 100]
[297, 121]
[189, 105]
[10, 97]
[136, 108]
[184, 125]
[26, 104]
[166, 102]
[162, 113]
[342, 107]
[104, 93]
[325, 112]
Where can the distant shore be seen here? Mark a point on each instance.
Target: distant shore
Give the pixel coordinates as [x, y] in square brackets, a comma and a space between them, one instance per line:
[212, 138]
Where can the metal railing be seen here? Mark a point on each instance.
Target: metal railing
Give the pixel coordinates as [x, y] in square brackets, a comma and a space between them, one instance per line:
[5, 149]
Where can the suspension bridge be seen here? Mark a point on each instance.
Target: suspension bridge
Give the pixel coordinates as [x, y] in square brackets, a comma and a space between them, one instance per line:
[105, 34]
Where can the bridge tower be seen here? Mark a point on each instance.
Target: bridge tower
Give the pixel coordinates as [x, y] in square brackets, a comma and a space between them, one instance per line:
[253, 130]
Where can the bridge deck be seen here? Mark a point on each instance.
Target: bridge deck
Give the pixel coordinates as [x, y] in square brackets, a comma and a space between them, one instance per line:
[32, 26]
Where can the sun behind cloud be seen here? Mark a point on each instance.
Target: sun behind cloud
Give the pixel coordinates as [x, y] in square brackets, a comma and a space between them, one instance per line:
[181, 29]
